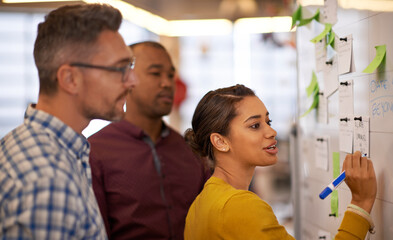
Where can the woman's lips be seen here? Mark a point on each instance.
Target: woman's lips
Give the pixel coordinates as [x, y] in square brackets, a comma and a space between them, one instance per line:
[272, 149]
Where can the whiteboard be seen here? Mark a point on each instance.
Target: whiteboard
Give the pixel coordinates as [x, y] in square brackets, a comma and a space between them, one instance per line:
[372, 96]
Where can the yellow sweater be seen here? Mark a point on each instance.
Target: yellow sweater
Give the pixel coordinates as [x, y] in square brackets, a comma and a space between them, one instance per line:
[223, 212]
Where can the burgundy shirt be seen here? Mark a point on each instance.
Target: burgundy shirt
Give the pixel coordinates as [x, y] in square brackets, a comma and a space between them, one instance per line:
[144, 189]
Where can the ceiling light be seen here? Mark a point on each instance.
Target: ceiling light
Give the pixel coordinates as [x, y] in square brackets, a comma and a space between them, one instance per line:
[372, 5]
[263, 25]
[310, 2]
[199, 27]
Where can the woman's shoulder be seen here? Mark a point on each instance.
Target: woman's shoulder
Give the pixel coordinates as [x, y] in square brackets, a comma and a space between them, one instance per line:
[230, 197]
[247, 201]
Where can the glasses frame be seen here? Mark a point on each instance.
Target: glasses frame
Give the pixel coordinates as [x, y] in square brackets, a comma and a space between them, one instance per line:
[123, 70]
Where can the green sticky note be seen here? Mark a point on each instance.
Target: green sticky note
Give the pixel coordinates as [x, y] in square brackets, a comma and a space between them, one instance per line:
[296, 16]
[299, 21]
[381, 53]
[313, 105]
[334, 203]
[336, 164]
[303, 22]
[308, 20]
[313, 85]
[316, 15]
[328, 27]
[331, 36]
[336, 172]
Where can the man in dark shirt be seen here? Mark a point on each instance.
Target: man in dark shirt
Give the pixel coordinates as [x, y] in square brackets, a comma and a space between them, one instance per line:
[145, 176]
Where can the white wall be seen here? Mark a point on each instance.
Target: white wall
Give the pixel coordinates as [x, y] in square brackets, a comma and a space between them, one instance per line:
[368, 29]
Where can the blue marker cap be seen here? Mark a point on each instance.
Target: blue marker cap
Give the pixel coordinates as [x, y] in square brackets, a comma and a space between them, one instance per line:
[325, 193]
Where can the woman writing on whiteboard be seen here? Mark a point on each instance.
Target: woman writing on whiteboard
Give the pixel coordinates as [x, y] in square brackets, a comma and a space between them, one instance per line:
[231, 126]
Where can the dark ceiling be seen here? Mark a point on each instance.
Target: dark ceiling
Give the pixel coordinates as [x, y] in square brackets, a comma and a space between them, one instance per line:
[187, 9]
[202, 9]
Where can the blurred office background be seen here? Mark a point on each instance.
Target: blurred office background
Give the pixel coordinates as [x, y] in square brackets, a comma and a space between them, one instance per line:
[264, 60]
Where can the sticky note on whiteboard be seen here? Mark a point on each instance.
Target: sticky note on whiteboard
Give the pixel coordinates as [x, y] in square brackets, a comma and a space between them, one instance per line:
[361, 134]
[322, 152]
[346, 134]
[329, 11]
[344, 49]
[330, 76]
[345, 94]
[323, 109]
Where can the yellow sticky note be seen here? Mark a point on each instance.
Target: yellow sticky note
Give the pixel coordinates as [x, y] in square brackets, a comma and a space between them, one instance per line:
[381, 53]
[327, 29]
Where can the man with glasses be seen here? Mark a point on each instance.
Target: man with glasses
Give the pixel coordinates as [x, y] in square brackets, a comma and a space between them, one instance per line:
[84, 68]
[125, 70]
[145, 176]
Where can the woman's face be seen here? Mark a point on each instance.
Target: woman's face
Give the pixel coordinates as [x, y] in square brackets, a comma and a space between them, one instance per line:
[251, 139]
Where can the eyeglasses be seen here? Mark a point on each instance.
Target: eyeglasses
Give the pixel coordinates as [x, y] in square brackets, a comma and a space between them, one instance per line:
[124, 70]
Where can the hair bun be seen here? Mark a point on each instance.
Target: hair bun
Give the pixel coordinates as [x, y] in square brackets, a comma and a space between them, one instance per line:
[190, 138]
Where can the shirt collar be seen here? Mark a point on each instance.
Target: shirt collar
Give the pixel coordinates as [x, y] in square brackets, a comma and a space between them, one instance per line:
[164, 130]
[138, 132]
[67, 137]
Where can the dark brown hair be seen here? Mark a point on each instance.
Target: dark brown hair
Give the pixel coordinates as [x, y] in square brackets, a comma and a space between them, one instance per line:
[213, 114]
[68, 34]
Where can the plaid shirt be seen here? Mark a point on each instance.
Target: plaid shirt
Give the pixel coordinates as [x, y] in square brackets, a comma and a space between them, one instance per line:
[45, 182]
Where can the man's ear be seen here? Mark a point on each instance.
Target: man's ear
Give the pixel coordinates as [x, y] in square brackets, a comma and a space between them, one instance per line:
[67, 78]
[219, 142]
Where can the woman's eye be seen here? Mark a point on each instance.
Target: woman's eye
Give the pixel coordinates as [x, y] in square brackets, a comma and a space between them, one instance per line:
[269, 122]
[255, 126]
